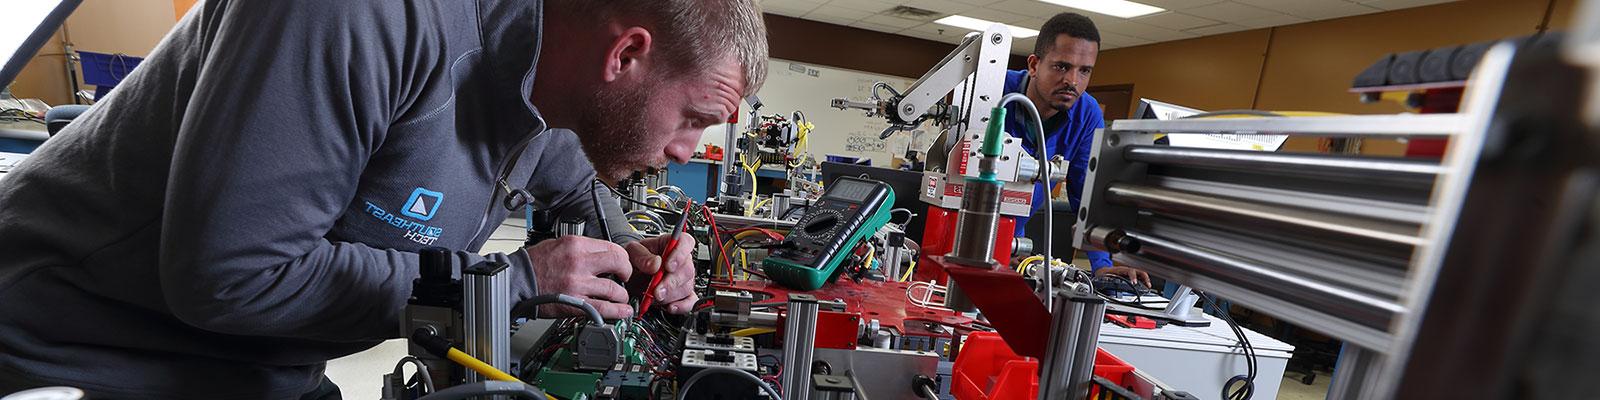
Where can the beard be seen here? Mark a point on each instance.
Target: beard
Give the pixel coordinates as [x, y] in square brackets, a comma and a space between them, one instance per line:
[613, 133]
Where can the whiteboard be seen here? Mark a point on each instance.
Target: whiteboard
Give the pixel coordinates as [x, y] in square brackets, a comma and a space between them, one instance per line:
[810, 89]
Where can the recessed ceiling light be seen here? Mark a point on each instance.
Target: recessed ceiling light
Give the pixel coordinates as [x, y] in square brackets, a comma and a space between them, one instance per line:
[1115, 8]
[961, 21]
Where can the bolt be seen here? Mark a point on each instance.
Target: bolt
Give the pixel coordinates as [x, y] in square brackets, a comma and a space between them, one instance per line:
[909, 108]
[995, 38]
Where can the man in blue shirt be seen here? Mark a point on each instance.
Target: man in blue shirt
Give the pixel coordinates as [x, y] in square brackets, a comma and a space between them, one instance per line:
[1058, 71]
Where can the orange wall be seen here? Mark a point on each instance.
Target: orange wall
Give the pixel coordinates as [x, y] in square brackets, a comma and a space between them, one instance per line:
[181, 6]
[130, 27]
[1213, 72]
[1310, 66]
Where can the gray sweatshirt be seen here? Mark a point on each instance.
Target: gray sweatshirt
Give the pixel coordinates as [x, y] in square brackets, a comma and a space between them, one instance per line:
[247, 204]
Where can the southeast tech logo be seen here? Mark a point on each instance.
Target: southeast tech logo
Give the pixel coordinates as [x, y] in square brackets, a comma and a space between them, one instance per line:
[423, 204]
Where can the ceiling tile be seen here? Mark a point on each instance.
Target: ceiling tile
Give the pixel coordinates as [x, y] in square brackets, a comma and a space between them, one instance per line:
[830, 19]
[838, 13]
[1232, 12]
[943, 6]
[1174, 20]
[1399, 4]
[792, 8]
[1110, 39]
[990, 14]
[1144, 31]
[874, 6]
[1033, 8]
[1030, 23]
[1216, 29]
[1181, 4]
[1312, 9]
[1278, 20]
[896, 22]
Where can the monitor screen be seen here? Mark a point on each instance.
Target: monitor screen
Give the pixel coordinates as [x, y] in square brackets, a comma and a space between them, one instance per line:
[25, 26]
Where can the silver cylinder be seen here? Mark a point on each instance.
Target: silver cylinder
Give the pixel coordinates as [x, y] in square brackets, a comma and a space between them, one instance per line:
[1088, 344]
[1068, 362]
[1056, 366]
[893, 256]
[1021, 246]
[754, 319]
[780, 204]
[637, 191]
[1027, 169]
[977, 225]
[486, 303]
[573, 227]
[956, 299]
[799, 337]
[1364, 170]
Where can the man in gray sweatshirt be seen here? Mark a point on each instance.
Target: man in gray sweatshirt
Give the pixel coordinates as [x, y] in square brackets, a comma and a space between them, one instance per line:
[248, 204]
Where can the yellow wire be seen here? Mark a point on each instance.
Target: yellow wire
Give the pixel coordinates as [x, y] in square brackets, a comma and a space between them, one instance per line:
[488, 371]
[736, 238]
[752, 331]
[868, 262]
[752, 170]
[907, 276]
[744, 263]
[1024, 265]
[801, 145]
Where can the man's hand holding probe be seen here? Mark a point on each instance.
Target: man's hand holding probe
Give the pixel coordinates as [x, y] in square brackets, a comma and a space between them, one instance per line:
[592, 269]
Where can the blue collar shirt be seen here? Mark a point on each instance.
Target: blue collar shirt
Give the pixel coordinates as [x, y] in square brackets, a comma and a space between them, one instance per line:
[1069, 134]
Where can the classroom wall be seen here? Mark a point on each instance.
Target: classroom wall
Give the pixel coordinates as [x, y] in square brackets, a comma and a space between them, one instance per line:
[855, 48]
[130, 27]
[1309, 66]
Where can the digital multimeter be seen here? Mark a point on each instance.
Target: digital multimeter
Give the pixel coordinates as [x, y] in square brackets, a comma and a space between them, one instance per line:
[849, 211]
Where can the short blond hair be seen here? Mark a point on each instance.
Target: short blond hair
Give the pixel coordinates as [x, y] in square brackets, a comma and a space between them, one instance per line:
[692, 34]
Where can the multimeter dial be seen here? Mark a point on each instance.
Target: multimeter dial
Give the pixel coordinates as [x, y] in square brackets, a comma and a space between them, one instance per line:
[850, 210]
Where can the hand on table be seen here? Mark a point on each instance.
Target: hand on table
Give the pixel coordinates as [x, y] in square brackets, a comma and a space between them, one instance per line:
[1136, 277]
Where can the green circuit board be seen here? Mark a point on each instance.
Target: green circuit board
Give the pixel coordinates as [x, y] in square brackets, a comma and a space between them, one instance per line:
[643, 342]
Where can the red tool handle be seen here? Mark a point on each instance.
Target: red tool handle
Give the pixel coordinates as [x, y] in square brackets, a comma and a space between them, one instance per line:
[655, 281]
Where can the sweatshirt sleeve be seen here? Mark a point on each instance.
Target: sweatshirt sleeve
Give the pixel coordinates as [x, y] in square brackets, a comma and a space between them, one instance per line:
[565, 182]
[292, 99]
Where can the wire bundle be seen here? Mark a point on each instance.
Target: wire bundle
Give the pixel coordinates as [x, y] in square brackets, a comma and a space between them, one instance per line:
[1248, 387]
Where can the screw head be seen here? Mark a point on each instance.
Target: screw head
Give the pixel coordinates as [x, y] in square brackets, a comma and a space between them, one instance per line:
[995, 38]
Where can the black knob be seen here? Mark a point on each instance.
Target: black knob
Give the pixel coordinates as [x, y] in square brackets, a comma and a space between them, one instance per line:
[438, 264]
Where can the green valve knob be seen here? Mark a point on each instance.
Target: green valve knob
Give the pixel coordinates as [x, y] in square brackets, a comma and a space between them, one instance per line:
[991, 136]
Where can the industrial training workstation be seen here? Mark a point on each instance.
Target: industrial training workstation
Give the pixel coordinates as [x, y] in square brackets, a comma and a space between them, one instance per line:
[799, 199]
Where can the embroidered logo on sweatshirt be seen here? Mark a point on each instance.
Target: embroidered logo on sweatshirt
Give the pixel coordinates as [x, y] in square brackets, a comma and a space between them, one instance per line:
[422, 204]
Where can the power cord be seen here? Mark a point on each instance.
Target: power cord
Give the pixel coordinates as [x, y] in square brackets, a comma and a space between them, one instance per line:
[1248, 388]
[683, 392]
[594, 315]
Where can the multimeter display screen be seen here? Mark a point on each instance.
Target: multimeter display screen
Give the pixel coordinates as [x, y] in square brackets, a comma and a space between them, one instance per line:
[852, 191]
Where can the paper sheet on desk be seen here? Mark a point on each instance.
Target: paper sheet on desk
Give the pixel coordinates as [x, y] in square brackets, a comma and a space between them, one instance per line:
[1228, 141]
[9, 161]
[1165, 111]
